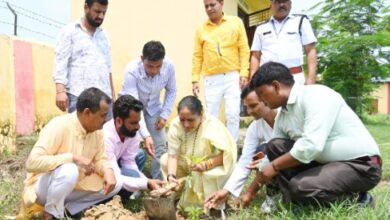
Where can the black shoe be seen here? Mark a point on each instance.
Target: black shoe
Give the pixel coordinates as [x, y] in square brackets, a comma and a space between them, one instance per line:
[365, 199]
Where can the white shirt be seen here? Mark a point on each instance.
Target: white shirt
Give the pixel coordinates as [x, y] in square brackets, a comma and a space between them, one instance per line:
[258, 132]
[323, 126]
[281, 41]
[148, 89]
[83, 60]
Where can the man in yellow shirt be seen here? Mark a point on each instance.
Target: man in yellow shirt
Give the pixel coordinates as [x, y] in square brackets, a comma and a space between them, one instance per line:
[221, 55]
[68, 167]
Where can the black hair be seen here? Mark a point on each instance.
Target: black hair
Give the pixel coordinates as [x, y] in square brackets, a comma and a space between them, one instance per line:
[192, 103]
[124, 104]
[153, 51]
[269, 72]
[91, 98]
[90, 2]
[245, 92]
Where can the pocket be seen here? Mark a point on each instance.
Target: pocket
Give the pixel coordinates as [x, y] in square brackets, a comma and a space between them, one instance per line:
[208, 82]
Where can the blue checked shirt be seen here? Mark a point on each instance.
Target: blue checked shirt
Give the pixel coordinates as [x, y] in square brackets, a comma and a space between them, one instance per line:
[148, 89]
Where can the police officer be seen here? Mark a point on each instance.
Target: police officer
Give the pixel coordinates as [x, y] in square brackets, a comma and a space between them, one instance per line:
[281, 38]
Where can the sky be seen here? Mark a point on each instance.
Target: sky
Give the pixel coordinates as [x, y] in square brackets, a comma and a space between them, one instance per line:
[302, 6]
[38, 20]
[41, 20]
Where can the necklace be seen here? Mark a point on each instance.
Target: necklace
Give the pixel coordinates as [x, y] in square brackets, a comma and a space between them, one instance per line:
[194, 142]
[190, 158]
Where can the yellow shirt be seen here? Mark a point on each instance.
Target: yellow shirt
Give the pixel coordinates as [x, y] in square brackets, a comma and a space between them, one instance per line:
[220, 48]
[59, 140]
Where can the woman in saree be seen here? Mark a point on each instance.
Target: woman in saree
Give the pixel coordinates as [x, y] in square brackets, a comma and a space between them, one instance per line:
[201, 149]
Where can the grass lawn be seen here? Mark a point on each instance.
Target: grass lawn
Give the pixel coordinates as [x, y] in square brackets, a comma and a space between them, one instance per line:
[12, 174]
[379, 127]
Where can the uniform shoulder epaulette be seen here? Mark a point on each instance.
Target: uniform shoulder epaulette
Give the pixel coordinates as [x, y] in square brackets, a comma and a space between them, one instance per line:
[300, 22]
[263, 22]
[301, 15]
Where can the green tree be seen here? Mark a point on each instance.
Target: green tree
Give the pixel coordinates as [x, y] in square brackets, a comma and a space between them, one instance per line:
[353, 47]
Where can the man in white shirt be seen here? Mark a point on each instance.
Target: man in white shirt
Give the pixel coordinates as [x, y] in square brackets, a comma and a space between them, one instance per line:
[322, 152]
[258, 133]
[83, 57]
[281, 39]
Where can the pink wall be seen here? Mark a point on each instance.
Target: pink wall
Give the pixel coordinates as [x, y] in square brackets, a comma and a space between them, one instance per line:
[24, 91]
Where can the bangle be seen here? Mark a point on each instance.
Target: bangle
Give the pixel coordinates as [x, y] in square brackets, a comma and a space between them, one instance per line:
[204, 164]
[209, 164]
[171, 175]
[61, 91]
[274, 167]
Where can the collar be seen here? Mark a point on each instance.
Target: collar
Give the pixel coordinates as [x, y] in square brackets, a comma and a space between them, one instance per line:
[115, 135]
[224, 18]
[293, 97]
[79, 23]
[272, 19]
[81, 132]
[144, 75]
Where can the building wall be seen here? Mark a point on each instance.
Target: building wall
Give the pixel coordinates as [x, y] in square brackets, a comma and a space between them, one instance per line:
[24, 88]
[7, 95]
[130, 24]
[27, 91]
[388, 98]
[382, 95]
[44, 87]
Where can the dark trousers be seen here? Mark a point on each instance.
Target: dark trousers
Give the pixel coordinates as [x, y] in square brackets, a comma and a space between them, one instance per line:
[322, 183]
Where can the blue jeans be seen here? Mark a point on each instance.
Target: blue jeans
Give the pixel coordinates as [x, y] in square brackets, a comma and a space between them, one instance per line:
[72, 99]
[140, 160]
[159, 140]
[261, 148]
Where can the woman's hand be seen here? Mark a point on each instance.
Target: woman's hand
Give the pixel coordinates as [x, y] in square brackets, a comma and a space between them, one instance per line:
[172, 179]
[199, 167]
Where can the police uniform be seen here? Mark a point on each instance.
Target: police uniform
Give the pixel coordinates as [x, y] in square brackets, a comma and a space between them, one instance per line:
[283, 41]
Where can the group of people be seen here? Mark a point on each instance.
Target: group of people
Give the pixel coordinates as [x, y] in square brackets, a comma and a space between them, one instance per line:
[307, 148]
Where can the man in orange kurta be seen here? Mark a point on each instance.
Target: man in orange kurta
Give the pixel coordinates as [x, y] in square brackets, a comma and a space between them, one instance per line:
[68, 168]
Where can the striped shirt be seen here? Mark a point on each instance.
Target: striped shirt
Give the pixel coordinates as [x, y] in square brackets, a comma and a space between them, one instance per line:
[82, 60]
[148, 89]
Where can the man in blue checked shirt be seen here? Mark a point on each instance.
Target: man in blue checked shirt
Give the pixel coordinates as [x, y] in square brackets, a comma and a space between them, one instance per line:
[145, 78]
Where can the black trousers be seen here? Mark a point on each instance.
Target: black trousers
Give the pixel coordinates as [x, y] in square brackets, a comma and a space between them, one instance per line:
[322, 183]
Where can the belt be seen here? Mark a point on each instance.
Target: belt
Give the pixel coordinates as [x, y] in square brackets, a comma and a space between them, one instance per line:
[373, 159]
[296, 69]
